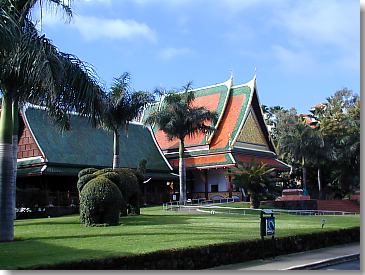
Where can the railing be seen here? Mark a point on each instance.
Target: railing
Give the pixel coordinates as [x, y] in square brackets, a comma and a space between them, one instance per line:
[176, 205]
[212, 207]
[244, 211]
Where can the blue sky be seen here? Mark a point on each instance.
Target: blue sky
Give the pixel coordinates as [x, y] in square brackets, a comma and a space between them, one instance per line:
[303, 50]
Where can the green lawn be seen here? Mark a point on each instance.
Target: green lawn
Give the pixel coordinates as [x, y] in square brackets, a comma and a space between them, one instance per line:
[56, 240]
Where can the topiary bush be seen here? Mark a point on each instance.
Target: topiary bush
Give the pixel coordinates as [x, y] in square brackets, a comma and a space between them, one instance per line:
[103, 171]
[86, 171]
[83, 180]
[139, 175]
[130, 189]
[126, 180]
[100, 202]
[113, 176]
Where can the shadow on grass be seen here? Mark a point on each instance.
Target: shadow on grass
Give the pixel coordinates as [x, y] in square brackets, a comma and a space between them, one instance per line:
[179, 219]
[132, 234]
[39, 253]
[28, 223]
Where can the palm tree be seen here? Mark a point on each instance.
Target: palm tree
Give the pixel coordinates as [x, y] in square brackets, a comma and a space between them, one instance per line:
[122, 106]
[300, 144]
[256, 178]
[178, 118]
[33, 70]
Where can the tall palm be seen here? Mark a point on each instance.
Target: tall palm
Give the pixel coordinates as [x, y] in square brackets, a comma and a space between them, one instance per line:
[33, 70]
[178, 118]
[122, 106]
[256, 178]
[301, 144]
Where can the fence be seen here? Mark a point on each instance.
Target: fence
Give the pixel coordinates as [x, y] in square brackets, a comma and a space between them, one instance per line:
[176, 205]
[214, 208]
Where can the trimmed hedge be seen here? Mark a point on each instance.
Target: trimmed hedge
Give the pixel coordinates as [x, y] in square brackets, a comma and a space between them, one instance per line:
[103, 171]
[113, 176]
[130, 189]
[100, 202]
[214, 255]
[127, 180]
[83, 180]
[86, 171]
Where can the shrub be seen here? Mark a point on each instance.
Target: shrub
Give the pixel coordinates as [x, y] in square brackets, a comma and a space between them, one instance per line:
[113, 176]
[128, 182]
[87, 171]
[83, 180]
[140, 176]
[100, 202]
[130, 189]
[103, 171]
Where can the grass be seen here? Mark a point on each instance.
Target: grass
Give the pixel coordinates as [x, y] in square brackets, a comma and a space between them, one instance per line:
[57, 240]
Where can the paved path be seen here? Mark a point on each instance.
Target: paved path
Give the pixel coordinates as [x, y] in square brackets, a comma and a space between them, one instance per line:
[300, 259]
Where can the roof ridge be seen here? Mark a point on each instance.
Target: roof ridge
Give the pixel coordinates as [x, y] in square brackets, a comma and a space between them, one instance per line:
[229, 84]
[215, 85]
[251, 83]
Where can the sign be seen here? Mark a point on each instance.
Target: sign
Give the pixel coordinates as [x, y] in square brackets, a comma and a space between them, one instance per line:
[174, 197]
[270, 226]
[267, 225]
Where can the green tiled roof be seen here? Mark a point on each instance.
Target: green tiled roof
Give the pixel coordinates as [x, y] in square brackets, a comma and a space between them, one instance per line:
[88, 146]
[29, 171]
[245, 90]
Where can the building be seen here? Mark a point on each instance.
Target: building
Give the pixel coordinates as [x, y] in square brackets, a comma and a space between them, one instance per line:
[240, 135]
[49, 161]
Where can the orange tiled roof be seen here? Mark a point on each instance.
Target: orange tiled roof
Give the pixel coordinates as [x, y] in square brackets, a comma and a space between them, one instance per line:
[211, 103]
[232, 104]
[216, 160]
[214, 98]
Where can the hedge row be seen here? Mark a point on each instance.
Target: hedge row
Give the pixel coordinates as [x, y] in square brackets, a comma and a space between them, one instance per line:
[217, 254]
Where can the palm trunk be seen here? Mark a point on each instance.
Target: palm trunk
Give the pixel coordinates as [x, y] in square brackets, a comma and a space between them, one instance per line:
[254, 201]
[319, 183]
[305, 191]
[304, 187]
[6, 171]
[182, 172]
[116, 160]
[15, 149]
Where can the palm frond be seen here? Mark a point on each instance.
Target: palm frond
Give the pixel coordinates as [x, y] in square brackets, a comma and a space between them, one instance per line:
[35, 71]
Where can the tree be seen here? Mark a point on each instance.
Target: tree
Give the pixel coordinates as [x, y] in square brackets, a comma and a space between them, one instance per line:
[257, 179]
[339, 125]
[122, 106]
[298, 143]
[33, 70]
[178, 118]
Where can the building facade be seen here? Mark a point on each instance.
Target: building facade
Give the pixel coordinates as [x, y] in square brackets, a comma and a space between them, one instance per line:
[240, 135]
[49, 160]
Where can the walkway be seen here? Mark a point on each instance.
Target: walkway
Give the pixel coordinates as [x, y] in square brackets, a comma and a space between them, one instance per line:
[297, 260]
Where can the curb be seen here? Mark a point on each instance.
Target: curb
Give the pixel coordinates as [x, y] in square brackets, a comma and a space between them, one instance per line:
[327, 262]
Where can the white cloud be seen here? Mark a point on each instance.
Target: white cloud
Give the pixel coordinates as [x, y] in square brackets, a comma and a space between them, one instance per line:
[173, 3]
[294, 61]
[321, 22]
[171, 52]
[93, 28]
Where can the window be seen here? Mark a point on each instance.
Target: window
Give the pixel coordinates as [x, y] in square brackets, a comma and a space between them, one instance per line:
[214, 188]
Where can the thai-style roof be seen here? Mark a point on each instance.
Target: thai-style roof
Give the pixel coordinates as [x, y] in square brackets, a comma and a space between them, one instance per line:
[240, 131]
[84, 146]
[213, 97]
